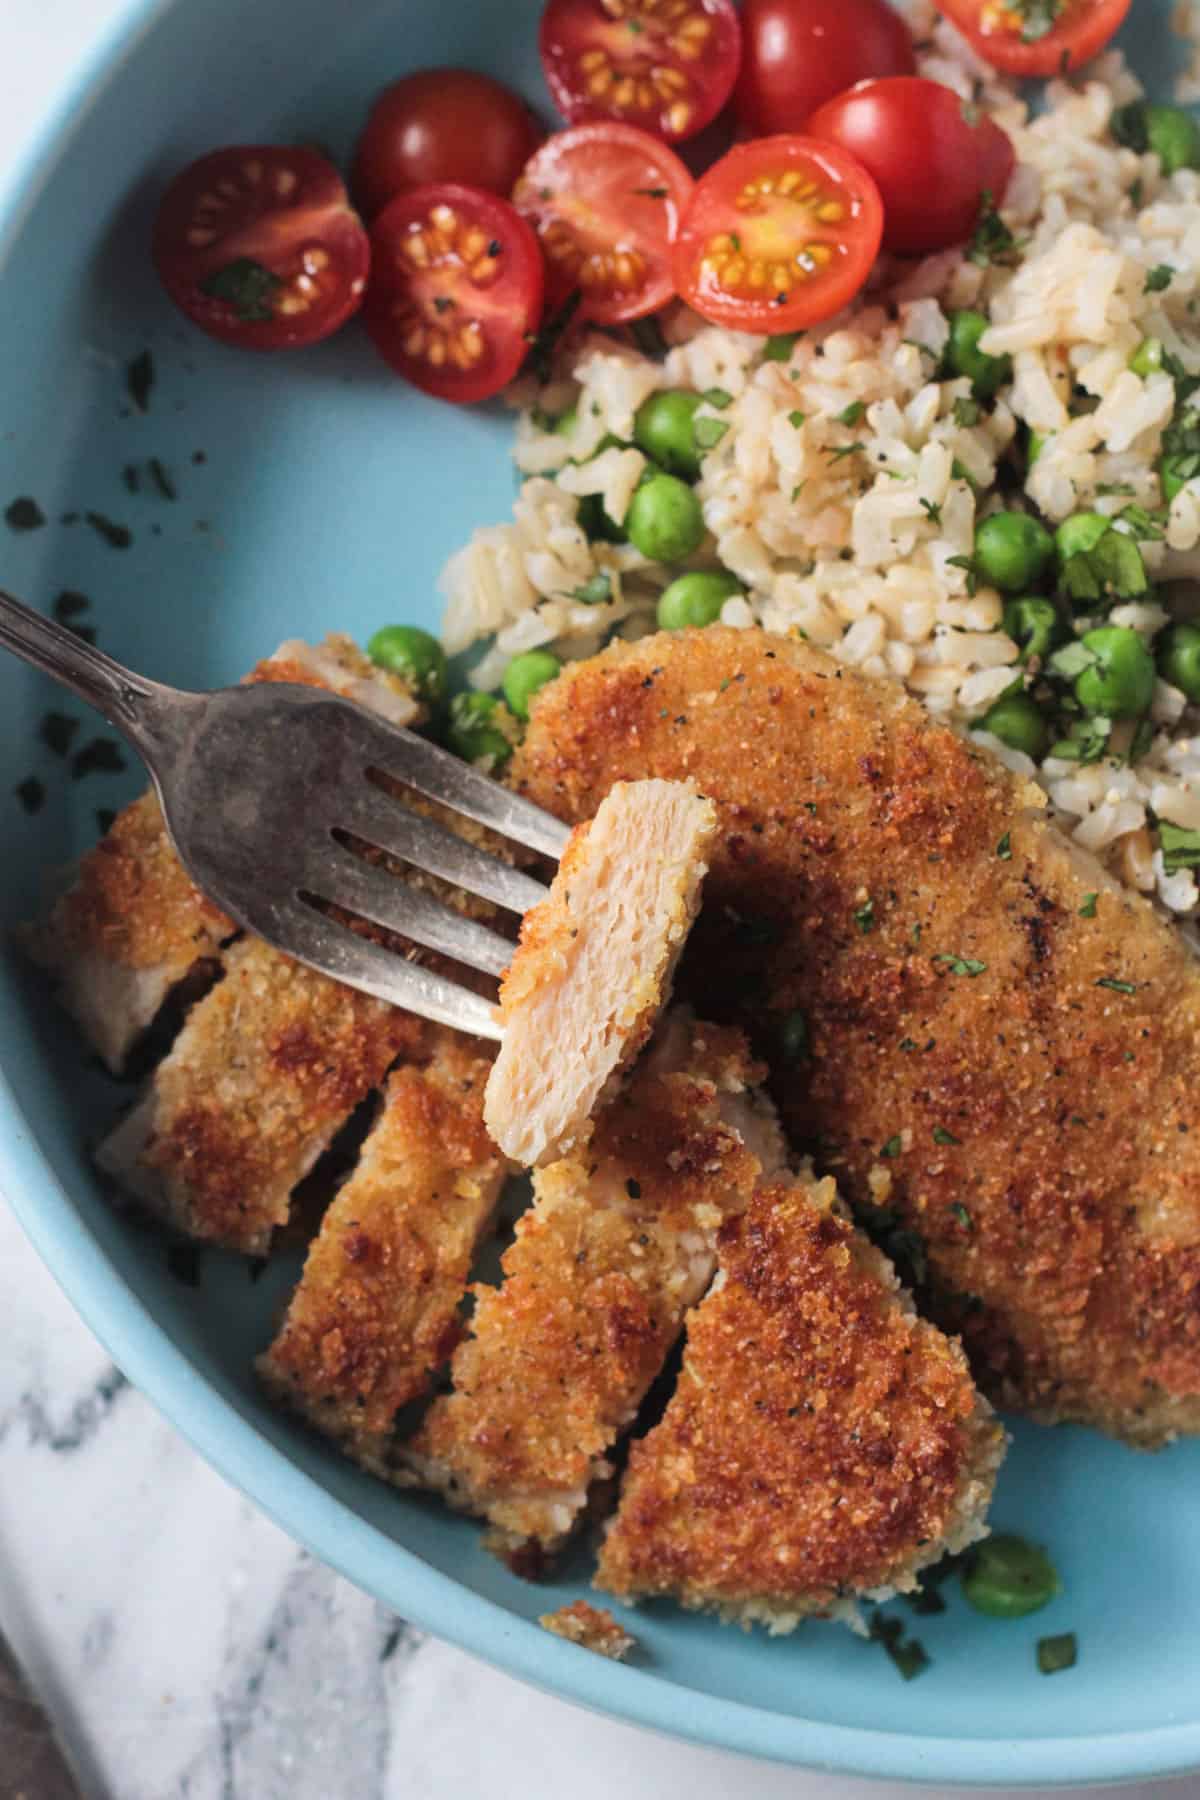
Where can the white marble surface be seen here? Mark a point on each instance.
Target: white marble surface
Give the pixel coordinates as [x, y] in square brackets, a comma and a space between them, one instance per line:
[187, 1649]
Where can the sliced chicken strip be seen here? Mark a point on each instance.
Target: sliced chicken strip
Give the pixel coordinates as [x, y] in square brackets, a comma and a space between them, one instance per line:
[619, 1242]
[971, 1024]
[267, 1068]
[594, 966]
[822, 1442]
[133, 925]
[377, 1309]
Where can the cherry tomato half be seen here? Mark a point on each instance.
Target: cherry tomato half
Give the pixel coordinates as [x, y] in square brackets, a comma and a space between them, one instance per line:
[796, 54]
[666, 65]
[442, 125]
[932, 155]
[258, 245]
[1034, 37]
[605, 201]
[780, 233]
[455, 289]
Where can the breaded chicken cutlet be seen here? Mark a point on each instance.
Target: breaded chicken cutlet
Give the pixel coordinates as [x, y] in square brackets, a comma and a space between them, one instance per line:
[986, 1034]
[619, 1242]
[822, 1441]
[376, 1310]
[594, 964]
[133, 926]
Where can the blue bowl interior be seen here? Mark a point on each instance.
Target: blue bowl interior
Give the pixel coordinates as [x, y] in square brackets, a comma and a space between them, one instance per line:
[329, 495]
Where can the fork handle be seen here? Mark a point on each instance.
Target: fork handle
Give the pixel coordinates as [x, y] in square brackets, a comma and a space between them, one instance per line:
[130, 702]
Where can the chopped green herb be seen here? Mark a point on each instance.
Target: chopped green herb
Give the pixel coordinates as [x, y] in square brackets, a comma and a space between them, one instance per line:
[908, 1655]
[1038, 19]
[798, 489]
[933, 511]
[915, 934]
[942, 1136]
[967, 563]
[864, 917]
[139, 379]
[960, 965]
[967, 412]
[797, 419]
[1004, 847]
[962, 1215]
[247, 286]
[908, 1043]
[1088, 909]
[707, 433]
[443, 303]
[991, 241]
[31, 793]
[717, 396]
[1113, 487]
[653, 193]
[647, 335]
[1086, 741]
[925, 1600]
[56, 732]
[594, 591]
[1071, 660]
[850, 415]
[24, 514]
[845, 450]
[1147, 527]
[893, 1147]
[161, 478]
[1158, 278]
[101, 757]
[1180, 848]
[539, 359]
[1057, 1653]
[118, 536]
[1118, 987]
[779, 346]
[1135, 194]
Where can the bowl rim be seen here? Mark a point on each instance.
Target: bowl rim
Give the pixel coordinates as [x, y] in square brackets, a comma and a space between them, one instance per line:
[329, 1528]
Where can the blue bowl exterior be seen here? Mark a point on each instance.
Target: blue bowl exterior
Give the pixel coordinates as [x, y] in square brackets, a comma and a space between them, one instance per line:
[296, 523]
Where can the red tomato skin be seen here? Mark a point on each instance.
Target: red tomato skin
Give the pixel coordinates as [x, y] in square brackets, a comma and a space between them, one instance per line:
[930, 162]
[712, 212]
[509, 310]
[614, 161]
[442, 125]
[567, 26]
[274, 231]
[1081, 34]
[796, 54]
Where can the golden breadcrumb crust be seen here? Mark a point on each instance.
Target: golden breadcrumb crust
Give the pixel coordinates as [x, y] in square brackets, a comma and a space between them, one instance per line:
[822, 1440]
[618, 1243]
[1002, 1044]
[591, 1627]
[377, 1308]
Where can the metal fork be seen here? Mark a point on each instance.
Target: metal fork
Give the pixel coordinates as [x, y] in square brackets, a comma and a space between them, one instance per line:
[260, 785]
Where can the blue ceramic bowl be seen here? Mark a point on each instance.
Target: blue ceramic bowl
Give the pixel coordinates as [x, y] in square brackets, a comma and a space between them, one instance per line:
[329, 495]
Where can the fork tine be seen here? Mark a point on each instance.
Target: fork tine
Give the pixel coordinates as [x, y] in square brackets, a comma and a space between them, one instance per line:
[438, 775]
[381, 818]
[360, 887]
[332, 947]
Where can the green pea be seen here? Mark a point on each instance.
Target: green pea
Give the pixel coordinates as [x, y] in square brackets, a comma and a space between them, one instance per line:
[663, 428]
[408, 651]
[1008, 1578]
[1079, 534]
[1120, 683]
[599, 526]
[525, 675]
[1147, 359]
[1016, 719]
[471, 732]
[664, 520]
[1174, 137]
[1033, 625]
[696, 599]
[1178, 650]
[1012, 551]
[985, 373]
